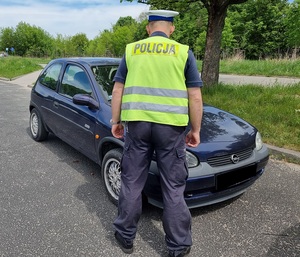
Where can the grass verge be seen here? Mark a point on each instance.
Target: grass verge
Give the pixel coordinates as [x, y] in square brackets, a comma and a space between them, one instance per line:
[11, 67]
[274, 111]
[269, 68]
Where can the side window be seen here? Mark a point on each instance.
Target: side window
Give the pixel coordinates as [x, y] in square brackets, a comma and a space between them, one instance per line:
[50, 76]
[104, 76]
[75, 81]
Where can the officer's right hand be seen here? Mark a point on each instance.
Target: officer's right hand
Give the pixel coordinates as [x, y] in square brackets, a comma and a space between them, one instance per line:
[192, 139]
[117, 130]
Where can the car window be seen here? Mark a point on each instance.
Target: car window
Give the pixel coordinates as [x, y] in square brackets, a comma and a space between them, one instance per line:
[49, 78]
[104, 75]
[75, 81]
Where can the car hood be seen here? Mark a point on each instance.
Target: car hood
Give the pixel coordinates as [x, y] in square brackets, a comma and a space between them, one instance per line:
[223, 133]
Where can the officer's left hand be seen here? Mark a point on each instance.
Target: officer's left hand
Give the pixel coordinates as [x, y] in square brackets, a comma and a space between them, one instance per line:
[117, 130]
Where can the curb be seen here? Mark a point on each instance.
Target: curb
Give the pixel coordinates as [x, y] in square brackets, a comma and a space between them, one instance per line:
[282, 154]
[12, 79]
[5, 79]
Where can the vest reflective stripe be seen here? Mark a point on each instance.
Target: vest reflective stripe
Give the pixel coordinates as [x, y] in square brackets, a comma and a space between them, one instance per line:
[169, 101]
[155, 107]
[169, 118]
[155, 92]
[155, 89]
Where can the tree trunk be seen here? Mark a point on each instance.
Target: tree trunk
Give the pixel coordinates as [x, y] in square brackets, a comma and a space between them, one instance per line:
[211, 61]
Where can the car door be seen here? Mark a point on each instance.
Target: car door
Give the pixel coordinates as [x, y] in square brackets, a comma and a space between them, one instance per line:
[45, 91]
[76, 122]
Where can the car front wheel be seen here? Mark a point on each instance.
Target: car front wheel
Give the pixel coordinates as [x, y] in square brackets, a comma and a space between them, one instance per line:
[111, 173]
[37, 129]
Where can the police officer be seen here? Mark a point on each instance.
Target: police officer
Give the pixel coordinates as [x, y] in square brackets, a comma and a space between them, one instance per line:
[156, 92]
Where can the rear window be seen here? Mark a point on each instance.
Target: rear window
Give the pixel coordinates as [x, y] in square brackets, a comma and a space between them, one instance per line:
[49, 78]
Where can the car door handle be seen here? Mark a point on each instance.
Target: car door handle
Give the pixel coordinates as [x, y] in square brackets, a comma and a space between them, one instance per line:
[55, 104]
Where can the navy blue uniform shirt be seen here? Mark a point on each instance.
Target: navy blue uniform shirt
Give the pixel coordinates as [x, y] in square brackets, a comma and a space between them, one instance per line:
[192, 76]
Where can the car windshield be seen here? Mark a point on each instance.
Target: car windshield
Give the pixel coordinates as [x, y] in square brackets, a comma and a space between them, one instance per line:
[104, 76]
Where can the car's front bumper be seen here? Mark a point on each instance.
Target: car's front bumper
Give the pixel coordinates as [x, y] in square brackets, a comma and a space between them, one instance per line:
[216, 185]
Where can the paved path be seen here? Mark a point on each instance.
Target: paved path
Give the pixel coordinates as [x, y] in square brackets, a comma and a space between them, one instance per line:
[26, 80]
[259, 80]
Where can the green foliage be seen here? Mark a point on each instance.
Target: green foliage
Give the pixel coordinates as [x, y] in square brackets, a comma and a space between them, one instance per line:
[64, 47]
[292, 23]
[121, 37]
[200, 45]
[101, 45]
[7, 38]
[125, 21]
[31, 41]
[189, 24]
[228, 40]
[140, 31]
[79, 42]
[113, 43]
[26, 40]
[59, 47]
[258, 26]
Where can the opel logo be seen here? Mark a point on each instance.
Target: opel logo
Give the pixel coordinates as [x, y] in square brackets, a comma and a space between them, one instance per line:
[234, 158]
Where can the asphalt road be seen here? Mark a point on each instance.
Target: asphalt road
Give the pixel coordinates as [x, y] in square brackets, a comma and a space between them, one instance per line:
[52, 203]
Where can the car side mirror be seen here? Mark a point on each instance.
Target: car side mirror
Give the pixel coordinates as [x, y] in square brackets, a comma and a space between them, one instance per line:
[87, 100]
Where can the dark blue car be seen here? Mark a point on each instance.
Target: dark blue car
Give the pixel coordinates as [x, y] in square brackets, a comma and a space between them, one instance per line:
[71, 99]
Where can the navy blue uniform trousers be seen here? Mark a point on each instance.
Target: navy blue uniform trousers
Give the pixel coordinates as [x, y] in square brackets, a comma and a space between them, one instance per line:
[168, 142]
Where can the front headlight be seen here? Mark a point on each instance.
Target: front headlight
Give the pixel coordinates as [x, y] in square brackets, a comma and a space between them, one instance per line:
[191, 160]
[258, 142]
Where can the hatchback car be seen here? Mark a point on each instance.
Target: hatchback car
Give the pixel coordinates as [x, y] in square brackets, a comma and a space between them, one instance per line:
[72, 99]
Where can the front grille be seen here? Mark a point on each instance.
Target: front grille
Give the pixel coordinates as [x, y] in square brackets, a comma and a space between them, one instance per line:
[227, 159]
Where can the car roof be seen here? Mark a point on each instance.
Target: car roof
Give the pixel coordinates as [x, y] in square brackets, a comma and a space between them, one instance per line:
[91, 61]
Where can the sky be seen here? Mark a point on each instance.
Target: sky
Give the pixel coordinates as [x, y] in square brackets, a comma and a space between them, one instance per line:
[68, 17]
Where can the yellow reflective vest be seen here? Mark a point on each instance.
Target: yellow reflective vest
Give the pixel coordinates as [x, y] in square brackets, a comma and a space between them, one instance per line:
[155, 89]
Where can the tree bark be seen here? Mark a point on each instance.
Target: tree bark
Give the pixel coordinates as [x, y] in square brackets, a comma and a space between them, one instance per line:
[217, 11]
[211, 61]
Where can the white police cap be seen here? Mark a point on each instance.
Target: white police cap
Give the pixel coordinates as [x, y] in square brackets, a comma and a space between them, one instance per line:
[161, 15]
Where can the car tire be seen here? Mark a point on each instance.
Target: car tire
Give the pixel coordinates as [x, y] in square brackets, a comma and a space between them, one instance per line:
[111, 173]
[37, 128]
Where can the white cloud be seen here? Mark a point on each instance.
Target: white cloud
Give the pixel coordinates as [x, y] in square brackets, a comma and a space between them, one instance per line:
[68, 17]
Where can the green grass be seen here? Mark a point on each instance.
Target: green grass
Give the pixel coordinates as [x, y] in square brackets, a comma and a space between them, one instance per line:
[11, 67]
[274, 111]
[269, 68]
